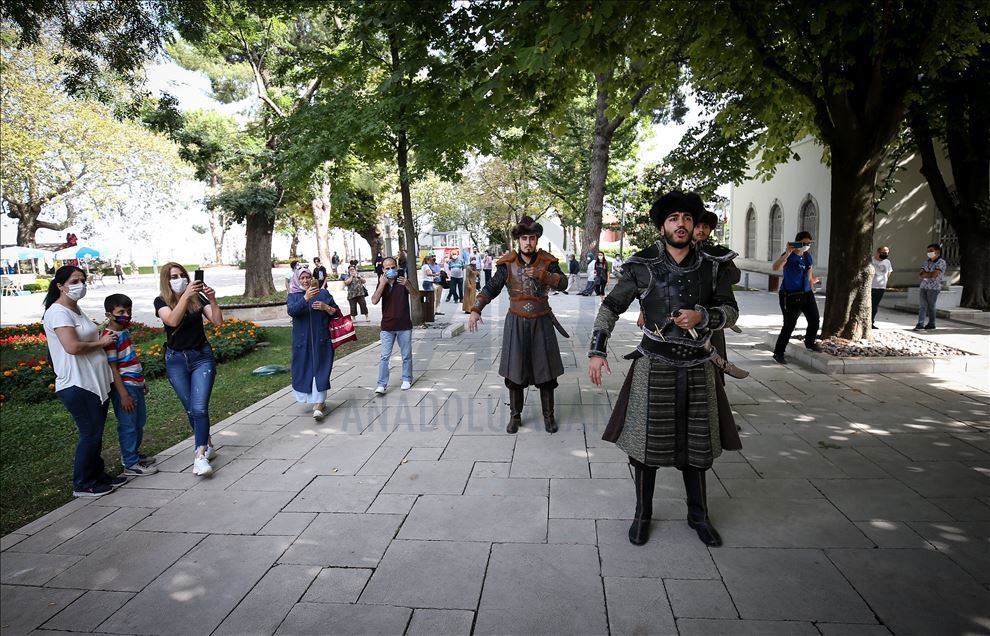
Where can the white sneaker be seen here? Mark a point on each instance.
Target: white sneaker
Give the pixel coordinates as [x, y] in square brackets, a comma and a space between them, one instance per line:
[380, 390]
[201, 466]
[211, 453]
[317, 414]
[406, 386]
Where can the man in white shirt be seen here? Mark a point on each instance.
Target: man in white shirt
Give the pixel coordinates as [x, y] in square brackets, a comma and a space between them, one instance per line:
[882, 269]
[590, 287]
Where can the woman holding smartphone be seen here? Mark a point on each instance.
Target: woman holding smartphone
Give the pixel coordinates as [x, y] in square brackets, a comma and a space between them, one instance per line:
[189, 362]
[312, 354]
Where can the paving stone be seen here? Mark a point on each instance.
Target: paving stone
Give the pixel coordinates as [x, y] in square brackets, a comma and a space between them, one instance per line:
[531, 589]
[581, 531]
[434, 478]
[892, 534]
[638, 606]
[62, 530]
[783, 523]
[487, 470]
[392, 504]
[525, 487]
[261, 482]
[103, 531]
[223, 512]
[89, 610]
[942, 479]
[592, 498]
[965, 542]
[288, 523]
[337, 494]
[102, 569]
[711, 627]
[963, 508]
[935, 447]
[610, 470]
[21, 568]
[337, 455]
[245, 434]
[430, 622]
[889, 499]
[673, 551]
[10, 540]
[424, 454]
[734, 470]
[789, 585]
[273, 466]
[477, 518]
[27, 607]
[898, 585]
[699, 599]
[550, 456]
[53, 516]
[138, 497]
[200, 589]
[343, 540]
[384, 461]
[770, 489]
[480, 448]
[283, 447]
[162, 481]
[849, 629]
[454, 569]
[313, 619]
[853, 463]
[337, 585]
[264, 607]
[227, 474]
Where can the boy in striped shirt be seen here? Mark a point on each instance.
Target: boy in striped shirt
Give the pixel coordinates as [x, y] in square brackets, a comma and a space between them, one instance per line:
[129, 387]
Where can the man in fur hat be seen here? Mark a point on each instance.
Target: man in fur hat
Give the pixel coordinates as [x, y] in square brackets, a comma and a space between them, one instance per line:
[530, 354]
[667, 413]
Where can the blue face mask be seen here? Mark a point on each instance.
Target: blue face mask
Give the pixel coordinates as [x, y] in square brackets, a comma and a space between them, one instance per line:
[391, 273]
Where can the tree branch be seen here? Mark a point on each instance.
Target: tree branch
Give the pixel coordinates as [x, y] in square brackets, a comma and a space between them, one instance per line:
[929, 166]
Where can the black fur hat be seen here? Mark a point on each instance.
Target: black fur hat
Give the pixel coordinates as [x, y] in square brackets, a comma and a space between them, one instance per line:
[676, 201]
[527, 225]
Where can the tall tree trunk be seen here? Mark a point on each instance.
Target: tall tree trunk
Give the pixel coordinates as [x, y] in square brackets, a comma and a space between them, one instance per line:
[408, 226]
[600, 143]
[373, 236]
[258, 255]
[974, 269]
[218, 230]
[294, 244]
[321, 219]
[28, 222]
[847, 294]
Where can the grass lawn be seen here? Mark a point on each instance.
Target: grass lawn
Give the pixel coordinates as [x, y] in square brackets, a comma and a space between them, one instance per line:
[37, 440]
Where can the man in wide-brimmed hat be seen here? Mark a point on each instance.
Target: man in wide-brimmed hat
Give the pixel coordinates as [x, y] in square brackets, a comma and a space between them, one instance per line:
[668, 412]
[530, 354]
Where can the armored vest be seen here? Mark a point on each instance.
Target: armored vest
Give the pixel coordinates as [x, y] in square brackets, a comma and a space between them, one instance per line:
[527, 296]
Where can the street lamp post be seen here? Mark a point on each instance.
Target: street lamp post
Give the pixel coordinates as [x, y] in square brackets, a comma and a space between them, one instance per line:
[622, 228]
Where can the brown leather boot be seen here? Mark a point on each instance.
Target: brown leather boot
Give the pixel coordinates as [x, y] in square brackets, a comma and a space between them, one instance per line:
[546, 400]
[515, 410]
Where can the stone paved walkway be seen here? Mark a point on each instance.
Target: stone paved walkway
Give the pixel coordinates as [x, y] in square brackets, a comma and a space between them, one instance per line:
[859, 505]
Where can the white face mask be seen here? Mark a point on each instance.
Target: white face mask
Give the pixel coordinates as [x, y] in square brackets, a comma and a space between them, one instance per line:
[805, 248]
[76, 291]
[931, 255]
[179, 284]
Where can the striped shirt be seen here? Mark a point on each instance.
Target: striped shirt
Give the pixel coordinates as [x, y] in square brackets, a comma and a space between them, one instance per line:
[123, 355]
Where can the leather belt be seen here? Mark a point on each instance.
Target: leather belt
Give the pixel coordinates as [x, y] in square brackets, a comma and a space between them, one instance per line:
[675, 350]
[529, 306]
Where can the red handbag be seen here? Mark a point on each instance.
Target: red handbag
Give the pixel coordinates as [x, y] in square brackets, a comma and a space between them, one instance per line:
[341, 331]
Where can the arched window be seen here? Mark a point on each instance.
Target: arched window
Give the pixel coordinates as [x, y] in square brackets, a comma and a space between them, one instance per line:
[776, 232]
[808, 222]
[751, 233]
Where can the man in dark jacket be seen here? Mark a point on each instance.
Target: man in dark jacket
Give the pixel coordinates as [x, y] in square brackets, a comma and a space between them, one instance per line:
[530, 354]
[667, 413]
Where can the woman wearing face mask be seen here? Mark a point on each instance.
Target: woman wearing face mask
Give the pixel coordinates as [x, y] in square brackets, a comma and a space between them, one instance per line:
[601, 274]
[82, 377]
[312, 354]
[189, 362]
[356, 293]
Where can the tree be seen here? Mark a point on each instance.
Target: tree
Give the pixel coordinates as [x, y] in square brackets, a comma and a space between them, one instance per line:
[840, 71]
[267, 37]
[60, 151]
[953, 112]
[567, 44]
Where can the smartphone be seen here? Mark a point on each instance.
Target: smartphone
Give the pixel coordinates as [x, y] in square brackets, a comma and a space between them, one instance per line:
[198, 277]
[402, 271]
[796, 245]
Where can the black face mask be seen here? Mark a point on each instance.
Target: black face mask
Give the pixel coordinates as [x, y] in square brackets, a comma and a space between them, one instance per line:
[884, 257]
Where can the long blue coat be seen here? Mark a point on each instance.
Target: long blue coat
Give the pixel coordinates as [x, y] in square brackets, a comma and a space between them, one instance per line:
[312, 354]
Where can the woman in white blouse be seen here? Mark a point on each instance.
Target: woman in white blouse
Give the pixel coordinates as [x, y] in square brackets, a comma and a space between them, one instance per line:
[82, 377]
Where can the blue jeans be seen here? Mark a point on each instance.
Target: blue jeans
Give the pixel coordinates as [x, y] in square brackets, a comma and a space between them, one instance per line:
[405, 348]
[926, 306]
[90, 415]
[130, 424]
[191, 374]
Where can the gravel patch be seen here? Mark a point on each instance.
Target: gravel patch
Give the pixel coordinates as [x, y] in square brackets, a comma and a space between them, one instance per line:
[888, 344]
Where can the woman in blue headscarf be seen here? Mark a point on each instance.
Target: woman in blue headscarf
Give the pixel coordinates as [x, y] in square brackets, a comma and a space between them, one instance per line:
[312, 354]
